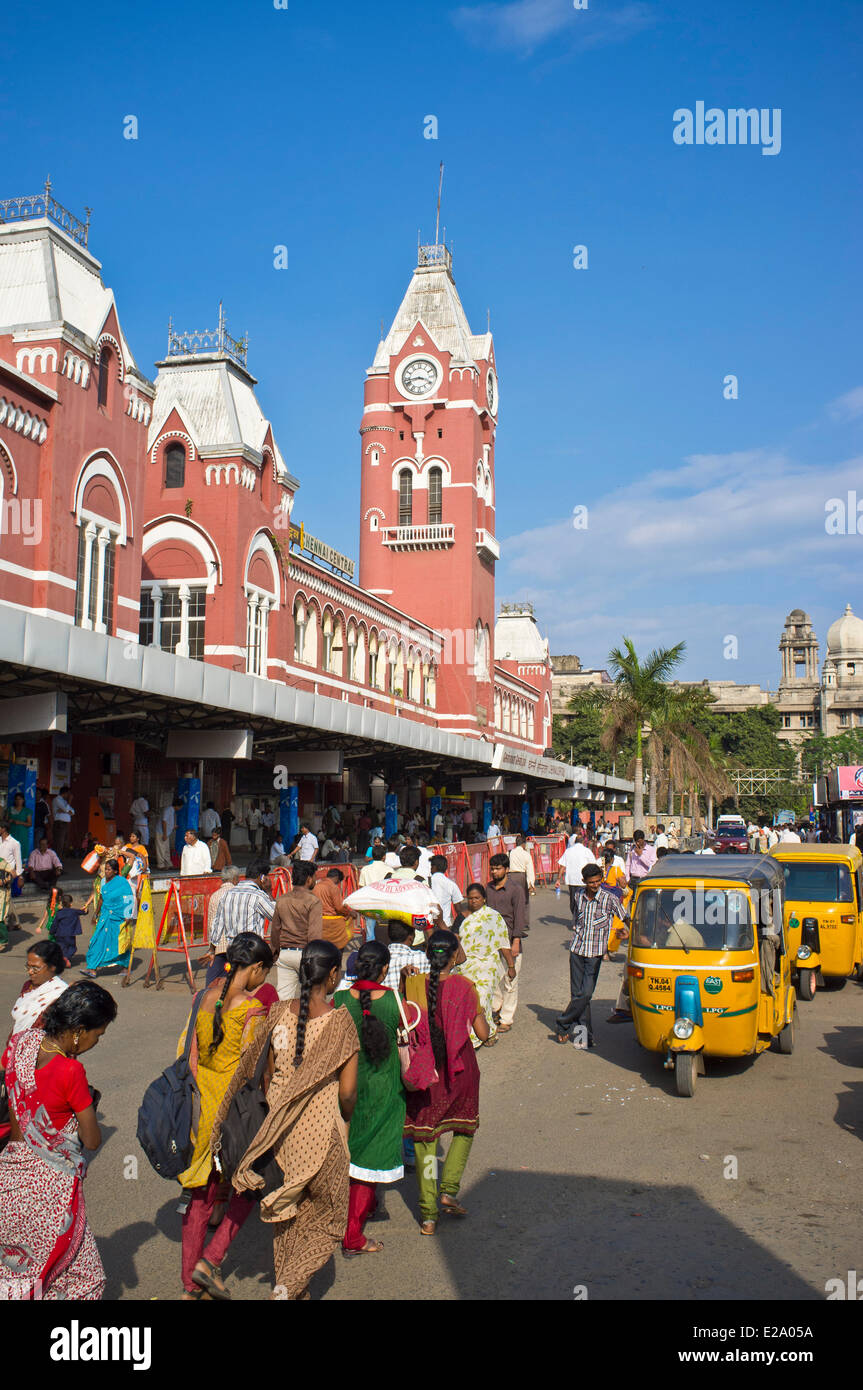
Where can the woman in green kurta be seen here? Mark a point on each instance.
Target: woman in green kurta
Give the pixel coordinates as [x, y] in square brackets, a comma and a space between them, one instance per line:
[20, 821]
[378, 1120]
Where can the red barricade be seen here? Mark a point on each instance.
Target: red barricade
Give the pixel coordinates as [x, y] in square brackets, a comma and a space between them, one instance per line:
[194, 894]
[280, 881]
[546, 851]
[350, 882]
[184, 919]
[454, 852]
[477, 862]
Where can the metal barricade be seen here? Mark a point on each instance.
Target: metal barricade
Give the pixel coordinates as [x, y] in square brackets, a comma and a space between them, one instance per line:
[183, 924]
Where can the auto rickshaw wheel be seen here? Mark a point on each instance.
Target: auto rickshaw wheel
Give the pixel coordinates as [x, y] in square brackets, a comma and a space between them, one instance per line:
[686, 1072]
[806, 985]
[785, 1039]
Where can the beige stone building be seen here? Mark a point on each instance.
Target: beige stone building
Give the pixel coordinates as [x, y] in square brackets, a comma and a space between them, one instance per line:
[830, 700]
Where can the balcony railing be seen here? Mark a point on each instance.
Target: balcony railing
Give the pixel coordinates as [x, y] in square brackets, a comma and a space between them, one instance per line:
[487, 547]
[209, 341]
[437, 537]
[44, 204]
[438, 255]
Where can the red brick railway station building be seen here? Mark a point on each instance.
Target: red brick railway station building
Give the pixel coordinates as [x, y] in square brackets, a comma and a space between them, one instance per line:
[161, 611]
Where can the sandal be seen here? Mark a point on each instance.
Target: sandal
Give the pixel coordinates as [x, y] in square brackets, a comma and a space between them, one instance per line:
[428, 1228]
[188, 1297]
[504, 1027]
[452, 1206]
[207, 1280]
[562, 1038]
[371, 1247]
[490, 1042]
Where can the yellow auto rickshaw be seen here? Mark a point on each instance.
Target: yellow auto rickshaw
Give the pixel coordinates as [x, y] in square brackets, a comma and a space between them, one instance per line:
[708, 970]
[823, 912]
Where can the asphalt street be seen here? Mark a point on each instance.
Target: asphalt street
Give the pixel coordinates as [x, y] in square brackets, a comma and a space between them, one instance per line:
[588, 1174]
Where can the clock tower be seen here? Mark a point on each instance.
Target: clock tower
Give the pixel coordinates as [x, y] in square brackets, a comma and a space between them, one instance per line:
[427, 542]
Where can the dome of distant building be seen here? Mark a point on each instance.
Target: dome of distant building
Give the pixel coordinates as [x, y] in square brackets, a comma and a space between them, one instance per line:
[845, 636]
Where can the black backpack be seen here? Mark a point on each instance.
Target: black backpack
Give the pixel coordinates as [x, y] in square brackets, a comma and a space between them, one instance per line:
[169, 1113]
[246, 1114]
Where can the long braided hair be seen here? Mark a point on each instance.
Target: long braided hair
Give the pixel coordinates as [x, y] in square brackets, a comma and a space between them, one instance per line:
[374, 1037]
[247, 948]
[319, 958]
[440, 949]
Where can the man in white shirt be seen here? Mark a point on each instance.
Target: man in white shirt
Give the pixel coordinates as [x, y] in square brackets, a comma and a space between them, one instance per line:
[788, 836]
[448, 894]
[278, 848]
[253, 825]
[660, 840]
[391, 858]
[62, 811]
[139, 811]
[376, 869]
[572, 861]
[493, 832]
[10, 850]
[196, 858]
[308, 846]
[210, 821]
[165, 828]
[424, 868]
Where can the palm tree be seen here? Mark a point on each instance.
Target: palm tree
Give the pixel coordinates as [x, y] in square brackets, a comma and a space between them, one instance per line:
[695, 759]
[636, 705]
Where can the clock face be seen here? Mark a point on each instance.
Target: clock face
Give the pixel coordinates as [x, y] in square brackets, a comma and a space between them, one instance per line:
[419, 376]
[491, 391]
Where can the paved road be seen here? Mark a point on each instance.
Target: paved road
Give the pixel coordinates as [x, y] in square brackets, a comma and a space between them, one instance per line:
[588, 1170]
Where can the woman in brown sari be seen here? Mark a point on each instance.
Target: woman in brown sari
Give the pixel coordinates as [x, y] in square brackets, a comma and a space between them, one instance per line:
[311, 1092]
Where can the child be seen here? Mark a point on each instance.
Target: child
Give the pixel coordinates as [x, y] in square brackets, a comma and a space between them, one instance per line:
[67, 925]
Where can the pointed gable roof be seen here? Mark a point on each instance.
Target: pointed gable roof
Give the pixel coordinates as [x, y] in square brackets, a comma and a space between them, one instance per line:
[432, 300]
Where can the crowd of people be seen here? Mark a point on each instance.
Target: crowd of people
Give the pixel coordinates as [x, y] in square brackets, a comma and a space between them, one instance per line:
[340, 1122]
[328, 1032]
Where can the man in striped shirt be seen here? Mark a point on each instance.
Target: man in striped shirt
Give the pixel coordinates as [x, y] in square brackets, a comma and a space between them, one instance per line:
[248, 907]
[593, 915]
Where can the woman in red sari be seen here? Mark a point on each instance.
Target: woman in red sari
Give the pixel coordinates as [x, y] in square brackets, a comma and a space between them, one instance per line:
[451, 1104]
[47, 1250]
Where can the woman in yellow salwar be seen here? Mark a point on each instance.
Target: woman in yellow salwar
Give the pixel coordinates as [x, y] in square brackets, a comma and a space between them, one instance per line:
[312, 1091]
[228, 1018]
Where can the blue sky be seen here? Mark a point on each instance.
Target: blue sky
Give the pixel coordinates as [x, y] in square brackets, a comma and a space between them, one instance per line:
[304, 127]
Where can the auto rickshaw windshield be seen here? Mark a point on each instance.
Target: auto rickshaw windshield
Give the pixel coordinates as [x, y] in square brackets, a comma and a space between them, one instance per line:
[817, 882]
[697, 919]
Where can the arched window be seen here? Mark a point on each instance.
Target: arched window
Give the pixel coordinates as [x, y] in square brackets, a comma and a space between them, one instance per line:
[393, 681]
[352, 652]
[301, 619]
[435, 497]
[522, 720]
[497, 709]
[327, 633]
[106, 361]
[431, 687]
[406, 487]
[333, 649]
[373, 659]
[175, 466]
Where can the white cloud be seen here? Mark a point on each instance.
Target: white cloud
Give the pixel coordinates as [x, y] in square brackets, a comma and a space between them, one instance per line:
[847, 407]
[523, 25]
[723, 544]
